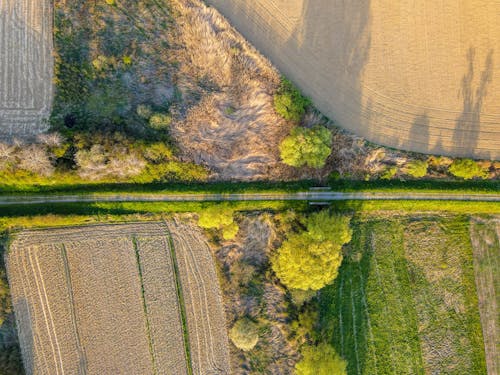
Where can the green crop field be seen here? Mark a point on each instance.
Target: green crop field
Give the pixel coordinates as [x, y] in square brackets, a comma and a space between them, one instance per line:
[405, 301]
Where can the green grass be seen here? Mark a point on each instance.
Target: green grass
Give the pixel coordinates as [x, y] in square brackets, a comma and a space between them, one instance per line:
[406, 286]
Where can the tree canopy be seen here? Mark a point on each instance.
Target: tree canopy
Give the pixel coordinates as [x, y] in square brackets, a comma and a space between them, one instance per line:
[467, 169]
[308, 147]
[311, 259]
[289, 103]
[320, 360]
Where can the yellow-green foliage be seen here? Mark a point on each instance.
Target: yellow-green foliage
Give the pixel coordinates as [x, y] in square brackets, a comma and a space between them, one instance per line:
[308, 147]
[389, 173]
[320, 360]
[244, 334]
[467, 169]
[160, 121]
[219, 217]
[311, 259]
[417, 168]
[289, 103]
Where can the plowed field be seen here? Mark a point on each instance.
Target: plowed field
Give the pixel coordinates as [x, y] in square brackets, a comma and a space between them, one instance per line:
[26, 67]
[416, 75]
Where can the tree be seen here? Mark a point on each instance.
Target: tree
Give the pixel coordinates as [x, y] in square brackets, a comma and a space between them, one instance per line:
[160, 121]
[308, 147]
[417, 168]
[35, 159]
[289, 103]
[244, 334]
[219, 217]
[320, 360]
[467, 169]
[310, 260]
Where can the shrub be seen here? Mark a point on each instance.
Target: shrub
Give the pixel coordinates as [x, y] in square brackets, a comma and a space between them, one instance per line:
[467, 169]
[244, 334]
[320, 360]
[308, 147]
[417, 168]
[144, 111]
[160, 121]
[311, 259]
[219, 217]
[289, 103]
[389, 173]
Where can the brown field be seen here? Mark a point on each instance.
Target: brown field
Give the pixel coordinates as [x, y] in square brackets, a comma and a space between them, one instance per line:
[26, 67]
[420, 76]
[103, 300]
[485, 236]
[204, 309]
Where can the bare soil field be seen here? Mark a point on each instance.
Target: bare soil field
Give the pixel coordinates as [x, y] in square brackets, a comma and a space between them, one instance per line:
[485, 236]
[26, 67]
[206, 322]
[104, 300]
[418, 76]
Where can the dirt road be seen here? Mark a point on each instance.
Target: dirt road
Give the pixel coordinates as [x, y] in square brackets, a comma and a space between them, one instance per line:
[415, 75]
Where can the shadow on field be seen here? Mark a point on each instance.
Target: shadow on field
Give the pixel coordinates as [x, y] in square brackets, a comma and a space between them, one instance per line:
[344, 319]
[419, 132]
[468, 124]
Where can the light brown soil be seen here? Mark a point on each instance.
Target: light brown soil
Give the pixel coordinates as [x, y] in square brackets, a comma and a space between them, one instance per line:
[26, 67]
[205, 317]
[486, 246]
[420, 76]
[103, 300]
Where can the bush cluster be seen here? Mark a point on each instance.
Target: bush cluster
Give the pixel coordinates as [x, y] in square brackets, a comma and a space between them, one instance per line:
[307, 147]
[289, 102]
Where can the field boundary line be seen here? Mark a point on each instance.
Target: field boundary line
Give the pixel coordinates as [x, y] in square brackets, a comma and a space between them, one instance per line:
[144, 305]
[180, 298]
[82, 363]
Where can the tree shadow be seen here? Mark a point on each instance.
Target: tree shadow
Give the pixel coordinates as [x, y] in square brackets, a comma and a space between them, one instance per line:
[468, 124]
[419, 132]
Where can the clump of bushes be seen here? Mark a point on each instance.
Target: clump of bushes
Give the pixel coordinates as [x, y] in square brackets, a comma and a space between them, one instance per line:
[309, 260]
[289, 102]
[160, 121]
[244, 334]
[389, 173]
[309, 147]
[417, 168]
[321, 359]
[467, 169]
[219, 217]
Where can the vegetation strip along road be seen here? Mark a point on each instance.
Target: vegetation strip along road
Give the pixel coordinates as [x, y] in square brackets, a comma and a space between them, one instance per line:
[297, 196]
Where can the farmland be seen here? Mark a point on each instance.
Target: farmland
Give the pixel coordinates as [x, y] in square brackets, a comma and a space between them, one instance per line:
[410, 75]
[485, 240]
[105, 299]
[405, 300]
[26, 67]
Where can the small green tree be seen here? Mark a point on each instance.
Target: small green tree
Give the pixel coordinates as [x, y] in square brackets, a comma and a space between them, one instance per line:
[417, 168]
[308, 147]
[467, 169]
[289, 103]
[244, 334]
[219, 217]
[320, 360]
[310, 260]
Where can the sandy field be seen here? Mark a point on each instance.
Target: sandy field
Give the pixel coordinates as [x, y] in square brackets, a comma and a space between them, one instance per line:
[417, 75]
[26, 67]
